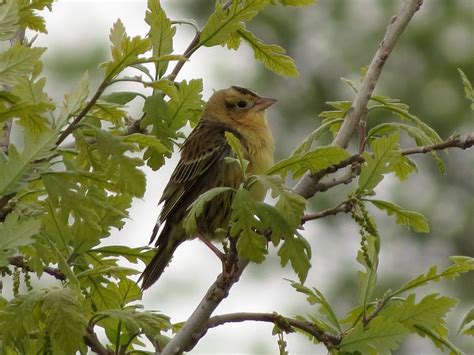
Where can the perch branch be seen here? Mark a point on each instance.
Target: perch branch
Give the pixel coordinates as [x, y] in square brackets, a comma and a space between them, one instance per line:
[449, 143]
[397, 25]
[285, 323]
[19, 261]
[92, 341]
[343, 207]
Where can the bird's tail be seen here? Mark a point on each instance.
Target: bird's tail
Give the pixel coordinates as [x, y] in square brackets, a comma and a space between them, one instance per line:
[167, 244]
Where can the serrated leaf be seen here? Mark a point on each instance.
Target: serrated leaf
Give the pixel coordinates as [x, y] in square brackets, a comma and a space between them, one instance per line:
[223, 22]
[18, 61]
[461, 264]
[429, 312]
[271, 55]
[197, 207]
[236, 147]
[297, 251]
[381, 337]
[297, 2]
[16, 232]
[318, 159]
[314, 296]
[145, 254]
[125, 50]
[161, 34]
[412, 220]
[28, 17]
[9, 17]
[372, 172]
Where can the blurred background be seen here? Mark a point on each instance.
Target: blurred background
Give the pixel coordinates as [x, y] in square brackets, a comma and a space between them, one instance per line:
[330, 40]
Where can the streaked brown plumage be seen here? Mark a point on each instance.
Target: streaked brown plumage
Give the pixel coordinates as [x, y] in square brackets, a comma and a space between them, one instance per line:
[202, 167]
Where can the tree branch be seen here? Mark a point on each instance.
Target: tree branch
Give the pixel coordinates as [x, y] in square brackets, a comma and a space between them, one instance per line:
[397, 25]
[345, 207]
[19, 261]
[91, 340]
[449, 143]
[285, 323]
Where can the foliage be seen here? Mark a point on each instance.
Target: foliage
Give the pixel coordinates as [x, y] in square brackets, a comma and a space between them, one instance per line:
[71, 175]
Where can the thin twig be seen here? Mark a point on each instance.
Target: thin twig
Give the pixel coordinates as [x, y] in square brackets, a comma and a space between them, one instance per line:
[359, 106]
[449, 143]
[343, 207]
[19, 261]
[328, 339]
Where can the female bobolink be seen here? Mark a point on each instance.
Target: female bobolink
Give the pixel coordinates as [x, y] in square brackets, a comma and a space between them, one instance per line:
[203, 166]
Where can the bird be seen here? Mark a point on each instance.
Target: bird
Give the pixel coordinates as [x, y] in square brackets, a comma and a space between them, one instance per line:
[203, 166]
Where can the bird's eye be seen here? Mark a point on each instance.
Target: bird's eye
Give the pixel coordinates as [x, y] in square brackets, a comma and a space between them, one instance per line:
[241, 104]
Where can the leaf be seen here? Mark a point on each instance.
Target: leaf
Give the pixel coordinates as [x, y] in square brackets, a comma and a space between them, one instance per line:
[297, 2]
[74, 101]
[29, 19]
[236, 147]
[18, 61]
[468, 89]
[144, 254]
[223, 22]
[384, 150]
[464, 327]
[318, 159]
[368, 278]
[402, 166]
[14, 233]
[461, 264]
[9, 17]
[161, 34]
[298, 252]
[381, 337]
[120, 98]
[314, 136]
[64, 319]
[271, 55]
[314, 296]
[187, 105]
[429, 312]
[197, 207]
[125, 50]
[412, 220]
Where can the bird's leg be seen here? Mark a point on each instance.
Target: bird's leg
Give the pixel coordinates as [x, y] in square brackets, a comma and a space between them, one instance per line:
[213, 248]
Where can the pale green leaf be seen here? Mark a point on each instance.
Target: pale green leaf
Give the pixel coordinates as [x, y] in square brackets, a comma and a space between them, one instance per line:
[74, 101]
[318, 159]
[14, 233]
[161, 34]
[197, 207]
[121, 97]
[412, 220]
[223, 22]
[377, 164]
[9, 17]
[145, 254]
[381, 337]
[297, 2]
[296, 250]
[236, 147]
[466, 327]
[468, 89]
[29, 18]
[18, 61]
[314, 136]
[271, 55]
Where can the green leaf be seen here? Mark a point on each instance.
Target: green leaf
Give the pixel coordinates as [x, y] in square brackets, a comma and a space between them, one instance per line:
[144, 254]
[314, 136]
[236, 147]
[125, 50]
[14, 233]
[368, 278]
[297, 2]
[187, 105]
[465, 327]
[18, 61]
[9, 17]
[161, 34]
[468, 89]
[223, 22]
[271, 55]
[381, 337]
[28, 17]
[372, 172]
[120, 98]
[197, 207]
[74, 101]
[296, 250]
[65, 319]
[412, 220]
[429, 312]
[318, 159]
[314, 296]
[461, 264]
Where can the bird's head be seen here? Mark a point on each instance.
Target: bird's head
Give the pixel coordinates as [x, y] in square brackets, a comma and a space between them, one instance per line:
[237, 106]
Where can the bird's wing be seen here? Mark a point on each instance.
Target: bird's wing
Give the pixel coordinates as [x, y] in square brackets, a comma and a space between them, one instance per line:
[205, 146]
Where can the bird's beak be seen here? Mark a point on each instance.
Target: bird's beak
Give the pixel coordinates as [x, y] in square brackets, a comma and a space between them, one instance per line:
[263, 103]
